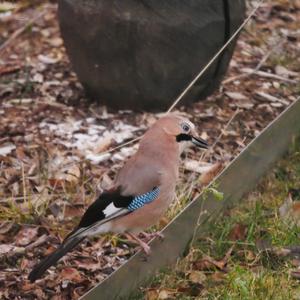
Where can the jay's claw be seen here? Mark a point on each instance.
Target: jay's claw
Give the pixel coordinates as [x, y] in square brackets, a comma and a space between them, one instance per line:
[150, 236]
[145, 247]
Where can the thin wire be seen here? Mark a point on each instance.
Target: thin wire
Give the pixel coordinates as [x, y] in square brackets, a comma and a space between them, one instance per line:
[178, 99]
[215, 57]
[205, 154]
[20, 30]
[195, 79]
[121, 146]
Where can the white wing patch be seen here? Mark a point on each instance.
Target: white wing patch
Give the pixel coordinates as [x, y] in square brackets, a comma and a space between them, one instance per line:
[111, 212]
[110, 209]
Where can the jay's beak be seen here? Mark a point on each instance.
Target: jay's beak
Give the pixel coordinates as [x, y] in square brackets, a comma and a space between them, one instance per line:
[195, 140]
[199, 142]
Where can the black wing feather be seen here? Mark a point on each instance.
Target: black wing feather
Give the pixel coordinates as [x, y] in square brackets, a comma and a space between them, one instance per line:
[94, 213]
[53, 258]
[92, 217]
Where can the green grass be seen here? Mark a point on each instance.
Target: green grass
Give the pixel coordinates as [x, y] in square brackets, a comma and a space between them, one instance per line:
[242, 283]
[251, 272]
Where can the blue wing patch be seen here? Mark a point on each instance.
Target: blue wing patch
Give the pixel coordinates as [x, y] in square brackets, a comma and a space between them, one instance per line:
[141, 200]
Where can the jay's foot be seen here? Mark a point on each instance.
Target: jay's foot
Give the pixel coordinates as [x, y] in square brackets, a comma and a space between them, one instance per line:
[150, 236]
[146, 248]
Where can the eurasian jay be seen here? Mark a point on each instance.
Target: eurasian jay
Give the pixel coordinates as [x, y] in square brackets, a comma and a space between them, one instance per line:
[142, 192]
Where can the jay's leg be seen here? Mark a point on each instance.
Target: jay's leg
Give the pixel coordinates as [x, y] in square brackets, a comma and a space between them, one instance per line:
[152, 235]
[145, 247]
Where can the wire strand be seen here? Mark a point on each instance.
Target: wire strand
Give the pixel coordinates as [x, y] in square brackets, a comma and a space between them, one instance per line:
[177, 100]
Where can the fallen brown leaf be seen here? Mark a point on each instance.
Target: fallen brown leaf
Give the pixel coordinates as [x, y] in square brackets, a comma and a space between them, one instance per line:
[5, 227]
[220, 264]
[283, 71]
[46, 118]
[197, 277]
[26, 235]
[296, 274]
[103, 145]
[203, 265]
[73, 211]
[6, 149]
[163, 222]
[166, 294]
[217, 277]
[295, 262]
[208, 176]
[9, 69]
[27, 286]
[38, 242]
[71, 274]
[49, 250]
[197, 166]
[250, 256]
[8, 248]
[208, 263]
[24, 264]
[151, 294]
[56, 183]
[290, 210]
[87, 264]
[236, 96]
[238, 232]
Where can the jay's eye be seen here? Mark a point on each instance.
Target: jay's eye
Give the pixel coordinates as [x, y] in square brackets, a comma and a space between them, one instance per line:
[185, 127]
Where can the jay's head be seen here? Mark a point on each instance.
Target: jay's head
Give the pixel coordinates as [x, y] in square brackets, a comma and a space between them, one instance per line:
[181, 131]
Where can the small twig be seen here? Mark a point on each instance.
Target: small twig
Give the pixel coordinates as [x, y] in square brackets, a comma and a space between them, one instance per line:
[201, 158]
[268, 97]
[236, 243]
[9, 69]
[284, 251]
[228, 254]
[205, 154]
[212, 60]
[269, 75]
[41, 240]
[121, 146]
[190, 181]
[20, 30]
[21, 250]
[24, 183]
[258, 66]
[102, 153]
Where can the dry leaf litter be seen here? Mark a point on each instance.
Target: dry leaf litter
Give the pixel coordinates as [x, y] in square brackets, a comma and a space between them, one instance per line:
[53, 140]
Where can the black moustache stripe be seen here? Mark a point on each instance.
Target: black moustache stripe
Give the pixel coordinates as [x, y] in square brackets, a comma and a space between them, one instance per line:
[183, 137]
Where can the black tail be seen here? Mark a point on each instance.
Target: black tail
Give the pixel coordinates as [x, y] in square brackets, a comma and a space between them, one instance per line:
[50, 260]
